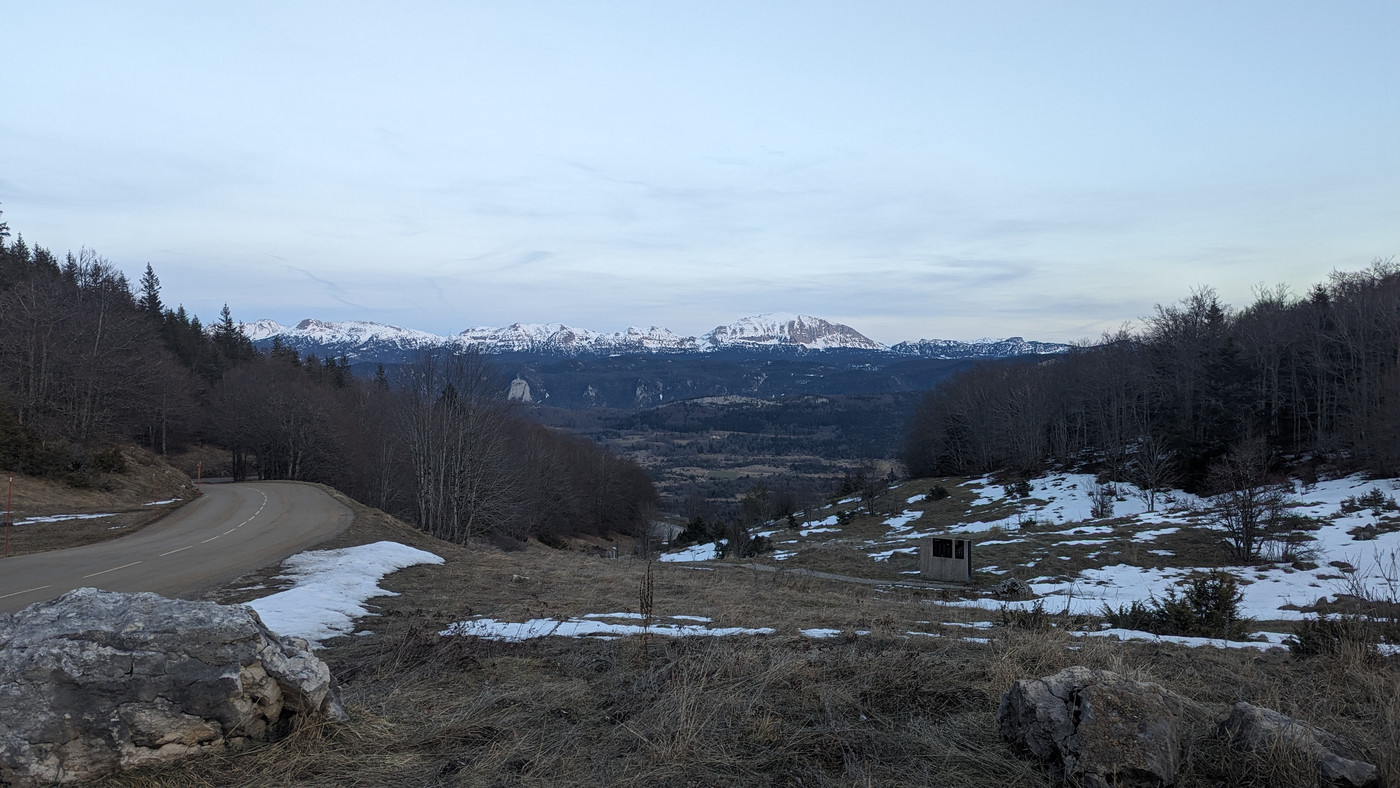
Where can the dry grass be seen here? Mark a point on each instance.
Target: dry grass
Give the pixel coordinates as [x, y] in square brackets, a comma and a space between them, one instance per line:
[122, 495]
[882, 708]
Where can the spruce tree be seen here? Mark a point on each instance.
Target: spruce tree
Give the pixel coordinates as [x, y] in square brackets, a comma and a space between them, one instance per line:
[150, 293]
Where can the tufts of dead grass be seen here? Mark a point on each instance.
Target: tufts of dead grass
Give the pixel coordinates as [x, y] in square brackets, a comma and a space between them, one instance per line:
[882, 708]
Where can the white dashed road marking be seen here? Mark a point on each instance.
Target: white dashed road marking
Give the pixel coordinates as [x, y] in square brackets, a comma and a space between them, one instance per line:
[235, 528]
[25, 591]
[113, 569]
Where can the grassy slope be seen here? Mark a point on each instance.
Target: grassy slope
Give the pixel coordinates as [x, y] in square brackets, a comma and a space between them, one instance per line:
[123, 496]
[883, 708]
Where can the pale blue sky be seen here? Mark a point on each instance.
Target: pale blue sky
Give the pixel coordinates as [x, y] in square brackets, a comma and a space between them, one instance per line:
[914, 169]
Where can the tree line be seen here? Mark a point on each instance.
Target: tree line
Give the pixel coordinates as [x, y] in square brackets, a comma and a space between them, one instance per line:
[1314, 376]
[86, 364]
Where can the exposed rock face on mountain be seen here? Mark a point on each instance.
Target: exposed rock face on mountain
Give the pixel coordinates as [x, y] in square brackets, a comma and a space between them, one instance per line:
[981, 348]
[519, 391]
[96, 681]
[1096, 728]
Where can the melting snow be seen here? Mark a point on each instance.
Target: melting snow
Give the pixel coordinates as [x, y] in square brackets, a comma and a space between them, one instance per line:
[58, 518]
[699, 552]
[330, 588]
[515, 632]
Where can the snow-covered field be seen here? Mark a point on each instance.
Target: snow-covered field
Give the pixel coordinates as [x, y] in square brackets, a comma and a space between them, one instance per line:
[1346, 551]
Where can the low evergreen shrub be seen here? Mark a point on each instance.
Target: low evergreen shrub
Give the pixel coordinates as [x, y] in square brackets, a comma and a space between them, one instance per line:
[1208, 607]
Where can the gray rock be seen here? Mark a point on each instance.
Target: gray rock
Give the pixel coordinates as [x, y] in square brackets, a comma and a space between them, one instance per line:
[96, 681]
[1252, 728]
[1096, 727]
[1013, 588]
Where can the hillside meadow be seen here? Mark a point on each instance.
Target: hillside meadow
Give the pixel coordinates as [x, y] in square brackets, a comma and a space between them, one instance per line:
[714, 673]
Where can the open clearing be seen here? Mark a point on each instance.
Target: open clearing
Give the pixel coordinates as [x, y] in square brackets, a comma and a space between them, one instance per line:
[834, 683]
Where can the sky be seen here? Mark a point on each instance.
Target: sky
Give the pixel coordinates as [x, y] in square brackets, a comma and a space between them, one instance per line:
[912, 169]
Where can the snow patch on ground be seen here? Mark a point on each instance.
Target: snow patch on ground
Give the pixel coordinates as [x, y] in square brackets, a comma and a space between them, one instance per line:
[901, 521]
[586, 626]
[330, 588]
[698, 552]
[58, 518]
[886, 554]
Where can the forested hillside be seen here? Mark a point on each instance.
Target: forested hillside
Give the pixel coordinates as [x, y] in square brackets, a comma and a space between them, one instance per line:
[1316, 376]
[86, 364]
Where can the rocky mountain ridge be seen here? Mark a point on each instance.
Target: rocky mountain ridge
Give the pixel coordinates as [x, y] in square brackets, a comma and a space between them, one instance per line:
[363, 341]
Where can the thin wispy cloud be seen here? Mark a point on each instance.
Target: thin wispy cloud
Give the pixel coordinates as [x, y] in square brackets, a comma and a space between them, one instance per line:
[922, 170]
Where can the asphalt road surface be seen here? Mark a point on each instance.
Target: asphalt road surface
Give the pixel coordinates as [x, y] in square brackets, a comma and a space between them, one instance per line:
[230, 530]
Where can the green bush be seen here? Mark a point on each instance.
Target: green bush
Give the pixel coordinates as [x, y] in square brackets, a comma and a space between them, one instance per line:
[1019, 489]
[738, 544]
[110, 461]
[697, 531]
[1034, 618]
[1134, 616]
[1208, 607]
[1325, 635]
[938, 493]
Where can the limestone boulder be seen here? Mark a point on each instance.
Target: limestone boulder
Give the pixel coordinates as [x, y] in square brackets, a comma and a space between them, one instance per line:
[1336, 762]
[1095, 727]
[97, 681]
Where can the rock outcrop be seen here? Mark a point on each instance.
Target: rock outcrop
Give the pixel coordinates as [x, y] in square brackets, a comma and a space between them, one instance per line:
[1095, 727]
[1256, 729]
[97, 681]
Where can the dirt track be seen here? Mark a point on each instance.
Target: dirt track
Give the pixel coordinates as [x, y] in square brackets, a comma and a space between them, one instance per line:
[230, 530]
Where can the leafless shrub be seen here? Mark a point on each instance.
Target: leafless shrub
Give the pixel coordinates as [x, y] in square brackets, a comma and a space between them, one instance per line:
[1101, 499]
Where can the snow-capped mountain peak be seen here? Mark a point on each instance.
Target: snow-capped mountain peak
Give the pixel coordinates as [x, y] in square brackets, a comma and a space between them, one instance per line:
[788, 330]
[774, 331]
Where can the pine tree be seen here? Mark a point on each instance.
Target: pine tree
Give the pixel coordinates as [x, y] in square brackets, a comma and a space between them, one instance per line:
[150, 293]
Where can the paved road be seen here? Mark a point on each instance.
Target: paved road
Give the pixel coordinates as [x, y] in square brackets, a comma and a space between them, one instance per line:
[230, 530]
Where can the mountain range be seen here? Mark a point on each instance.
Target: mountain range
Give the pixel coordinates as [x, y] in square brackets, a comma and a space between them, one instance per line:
[775, 333]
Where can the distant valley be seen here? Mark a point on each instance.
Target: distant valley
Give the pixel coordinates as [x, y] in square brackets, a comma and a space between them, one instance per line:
[792, 401]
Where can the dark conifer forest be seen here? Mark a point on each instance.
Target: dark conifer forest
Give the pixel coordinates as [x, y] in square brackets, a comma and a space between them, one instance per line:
[1312, 378]
[88, 365]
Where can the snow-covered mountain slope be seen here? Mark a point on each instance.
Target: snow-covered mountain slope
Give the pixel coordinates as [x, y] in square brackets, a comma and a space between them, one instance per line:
[979, 348]
[784, 330]
[355, 338]
[775, 332]
[559, 339]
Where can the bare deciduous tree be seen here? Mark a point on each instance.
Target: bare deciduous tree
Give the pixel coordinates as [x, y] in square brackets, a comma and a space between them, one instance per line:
[1247, 505]
[465, 482]
[1153, 469]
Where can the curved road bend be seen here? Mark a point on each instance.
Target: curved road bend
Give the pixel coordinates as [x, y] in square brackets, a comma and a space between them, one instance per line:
[230, 530]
